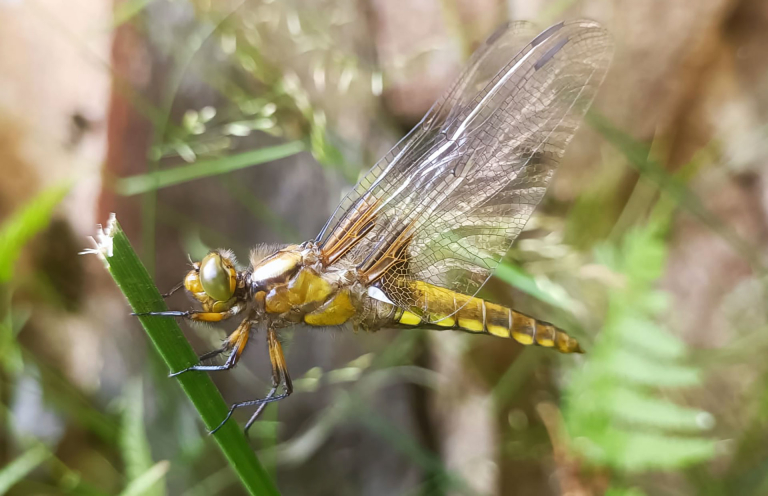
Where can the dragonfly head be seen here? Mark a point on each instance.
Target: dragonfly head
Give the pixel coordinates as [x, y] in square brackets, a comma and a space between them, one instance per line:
[214, 278]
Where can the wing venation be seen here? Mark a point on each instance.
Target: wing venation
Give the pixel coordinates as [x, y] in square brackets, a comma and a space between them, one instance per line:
[467, 178]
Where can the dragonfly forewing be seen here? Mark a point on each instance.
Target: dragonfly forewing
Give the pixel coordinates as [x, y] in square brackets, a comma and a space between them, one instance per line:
[467, 178]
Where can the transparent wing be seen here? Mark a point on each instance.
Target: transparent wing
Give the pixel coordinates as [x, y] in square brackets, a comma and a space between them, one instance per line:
[465, 181]
[485, 62]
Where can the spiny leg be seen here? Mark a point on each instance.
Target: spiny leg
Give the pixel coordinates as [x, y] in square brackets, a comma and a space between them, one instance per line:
[270, 397]
[279, 375]
[196, 315]
[173, 290]
[206, 356]
[235, 342]
[215, 353]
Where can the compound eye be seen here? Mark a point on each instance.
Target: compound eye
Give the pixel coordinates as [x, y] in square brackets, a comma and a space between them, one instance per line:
[217, 277]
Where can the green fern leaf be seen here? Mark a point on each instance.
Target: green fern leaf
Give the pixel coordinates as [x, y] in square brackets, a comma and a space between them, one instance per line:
[613, 409]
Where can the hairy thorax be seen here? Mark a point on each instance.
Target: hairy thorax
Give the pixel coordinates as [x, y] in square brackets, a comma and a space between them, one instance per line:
[297, 288]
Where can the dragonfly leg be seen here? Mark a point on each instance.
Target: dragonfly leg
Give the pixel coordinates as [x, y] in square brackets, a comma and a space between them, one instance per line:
[280, 376]
[235, 342]
[173, 289]
[196, 315]
[206, 356]
[266, 400]
[215, 353]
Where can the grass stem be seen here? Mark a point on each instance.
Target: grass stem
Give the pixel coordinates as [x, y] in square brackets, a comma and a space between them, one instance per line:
[124, 265]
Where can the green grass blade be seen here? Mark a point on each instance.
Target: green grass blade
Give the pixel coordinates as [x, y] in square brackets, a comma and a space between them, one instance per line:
[21, 466]
[515, 377]
[638, 156]
[18, 229]
[515, 276]
[132, 278]
[163, 178]
[621, 491]
[215, 483]
[141, 485]
[134, 445]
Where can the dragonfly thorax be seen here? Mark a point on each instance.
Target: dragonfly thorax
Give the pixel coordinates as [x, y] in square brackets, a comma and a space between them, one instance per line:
[297, 287]
[279, 267]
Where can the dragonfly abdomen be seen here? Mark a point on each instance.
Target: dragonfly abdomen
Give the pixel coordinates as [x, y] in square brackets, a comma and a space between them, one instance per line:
[478, 316]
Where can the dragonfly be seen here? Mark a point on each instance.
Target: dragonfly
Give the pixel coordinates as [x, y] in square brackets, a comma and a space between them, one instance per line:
[412, 244]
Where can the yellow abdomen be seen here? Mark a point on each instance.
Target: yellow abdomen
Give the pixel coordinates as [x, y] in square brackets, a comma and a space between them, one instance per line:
[450, 310]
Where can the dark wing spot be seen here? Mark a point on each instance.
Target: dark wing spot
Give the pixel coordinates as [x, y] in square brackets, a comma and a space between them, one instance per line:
[496, 34]
[550, 53]
[544, 35]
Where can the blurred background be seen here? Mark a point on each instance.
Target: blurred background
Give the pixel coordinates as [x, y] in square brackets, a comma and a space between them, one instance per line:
[650, 246]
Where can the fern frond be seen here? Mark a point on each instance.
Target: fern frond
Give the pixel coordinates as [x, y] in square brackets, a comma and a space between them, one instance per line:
[614, 409]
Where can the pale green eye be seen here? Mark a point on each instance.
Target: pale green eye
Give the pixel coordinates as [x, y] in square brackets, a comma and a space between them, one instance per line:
[217, 279]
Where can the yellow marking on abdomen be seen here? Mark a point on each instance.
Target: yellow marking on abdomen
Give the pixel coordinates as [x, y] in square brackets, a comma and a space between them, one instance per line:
[409, 318]
[545, 334]
[471, 325]
[523, 328]
[446, 322]
[478, 316]
[471, 316]
[499, 331]
[498, 320]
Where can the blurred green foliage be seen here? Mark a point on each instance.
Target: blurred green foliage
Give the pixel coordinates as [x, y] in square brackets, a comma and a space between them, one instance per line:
[614, 409]
[623, 404]
[19, 228]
